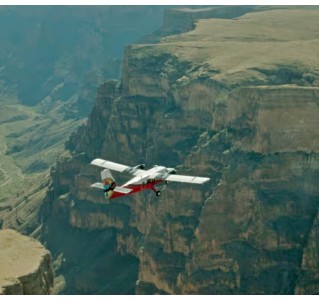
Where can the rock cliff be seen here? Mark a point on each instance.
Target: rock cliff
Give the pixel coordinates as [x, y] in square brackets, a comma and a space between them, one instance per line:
[234, 100]
[59, 54]
[26, 267]
[179, 20]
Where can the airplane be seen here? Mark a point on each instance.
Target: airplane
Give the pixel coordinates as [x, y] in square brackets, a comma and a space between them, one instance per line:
[142, 180]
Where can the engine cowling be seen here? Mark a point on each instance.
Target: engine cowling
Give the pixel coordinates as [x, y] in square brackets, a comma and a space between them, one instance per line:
[171, 171]
[139, 167]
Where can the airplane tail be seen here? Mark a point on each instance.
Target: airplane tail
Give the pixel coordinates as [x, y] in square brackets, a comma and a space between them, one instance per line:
[108, 182]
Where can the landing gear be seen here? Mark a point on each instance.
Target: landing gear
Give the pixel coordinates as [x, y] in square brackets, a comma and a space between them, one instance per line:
[157, 193]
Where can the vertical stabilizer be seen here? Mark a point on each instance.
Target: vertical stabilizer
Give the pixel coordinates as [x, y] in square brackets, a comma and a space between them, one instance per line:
[108, 182]
[106, 173]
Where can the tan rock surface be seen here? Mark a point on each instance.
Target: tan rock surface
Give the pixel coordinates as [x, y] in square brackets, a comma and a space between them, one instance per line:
[25, 265]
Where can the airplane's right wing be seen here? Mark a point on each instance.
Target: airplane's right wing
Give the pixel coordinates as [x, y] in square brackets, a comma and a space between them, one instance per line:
[187, 179]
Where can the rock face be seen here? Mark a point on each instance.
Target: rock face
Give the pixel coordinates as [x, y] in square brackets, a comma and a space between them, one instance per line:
[181, 20]
[228, 101]
[26, 267]
[67, 50]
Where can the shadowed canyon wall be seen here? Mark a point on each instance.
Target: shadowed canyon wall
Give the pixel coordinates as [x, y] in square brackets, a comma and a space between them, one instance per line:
[249, 125]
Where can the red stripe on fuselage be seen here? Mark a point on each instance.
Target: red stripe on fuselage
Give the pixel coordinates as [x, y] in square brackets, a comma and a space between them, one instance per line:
[137, 188]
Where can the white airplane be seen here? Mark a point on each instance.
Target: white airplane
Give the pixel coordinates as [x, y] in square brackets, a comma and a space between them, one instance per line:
[143, 180]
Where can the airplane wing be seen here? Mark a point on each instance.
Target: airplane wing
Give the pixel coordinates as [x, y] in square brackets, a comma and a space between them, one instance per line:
[188, 179]
[116, 167]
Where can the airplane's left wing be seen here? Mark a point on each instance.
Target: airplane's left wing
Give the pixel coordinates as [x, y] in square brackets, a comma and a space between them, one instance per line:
[187, 179]
[116, 167]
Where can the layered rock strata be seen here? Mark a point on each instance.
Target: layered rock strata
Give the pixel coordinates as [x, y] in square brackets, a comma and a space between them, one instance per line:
[231, 104]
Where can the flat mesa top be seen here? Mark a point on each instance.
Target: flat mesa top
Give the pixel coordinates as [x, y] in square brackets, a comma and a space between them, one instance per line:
[232, 49]
[19, 255]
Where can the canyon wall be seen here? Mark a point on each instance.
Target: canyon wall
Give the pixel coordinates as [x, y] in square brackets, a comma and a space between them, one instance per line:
[250, 126]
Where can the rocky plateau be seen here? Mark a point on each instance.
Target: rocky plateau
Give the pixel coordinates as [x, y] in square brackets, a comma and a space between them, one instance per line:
[26, 267]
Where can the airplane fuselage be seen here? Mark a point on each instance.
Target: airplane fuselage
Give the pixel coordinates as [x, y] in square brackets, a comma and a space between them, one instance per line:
[146, 181]
[157, 172]
[148, 185]
[140, 179]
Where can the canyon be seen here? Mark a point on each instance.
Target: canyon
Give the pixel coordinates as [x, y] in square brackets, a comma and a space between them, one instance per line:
[234, 99]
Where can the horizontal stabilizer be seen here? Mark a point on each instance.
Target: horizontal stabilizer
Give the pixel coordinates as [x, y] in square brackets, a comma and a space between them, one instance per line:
[98, 185]
[118, 189]
[188, 179]
[122, 190]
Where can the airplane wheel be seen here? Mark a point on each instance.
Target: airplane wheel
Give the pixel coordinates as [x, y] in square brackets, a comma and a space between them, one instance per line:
[158, 193]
